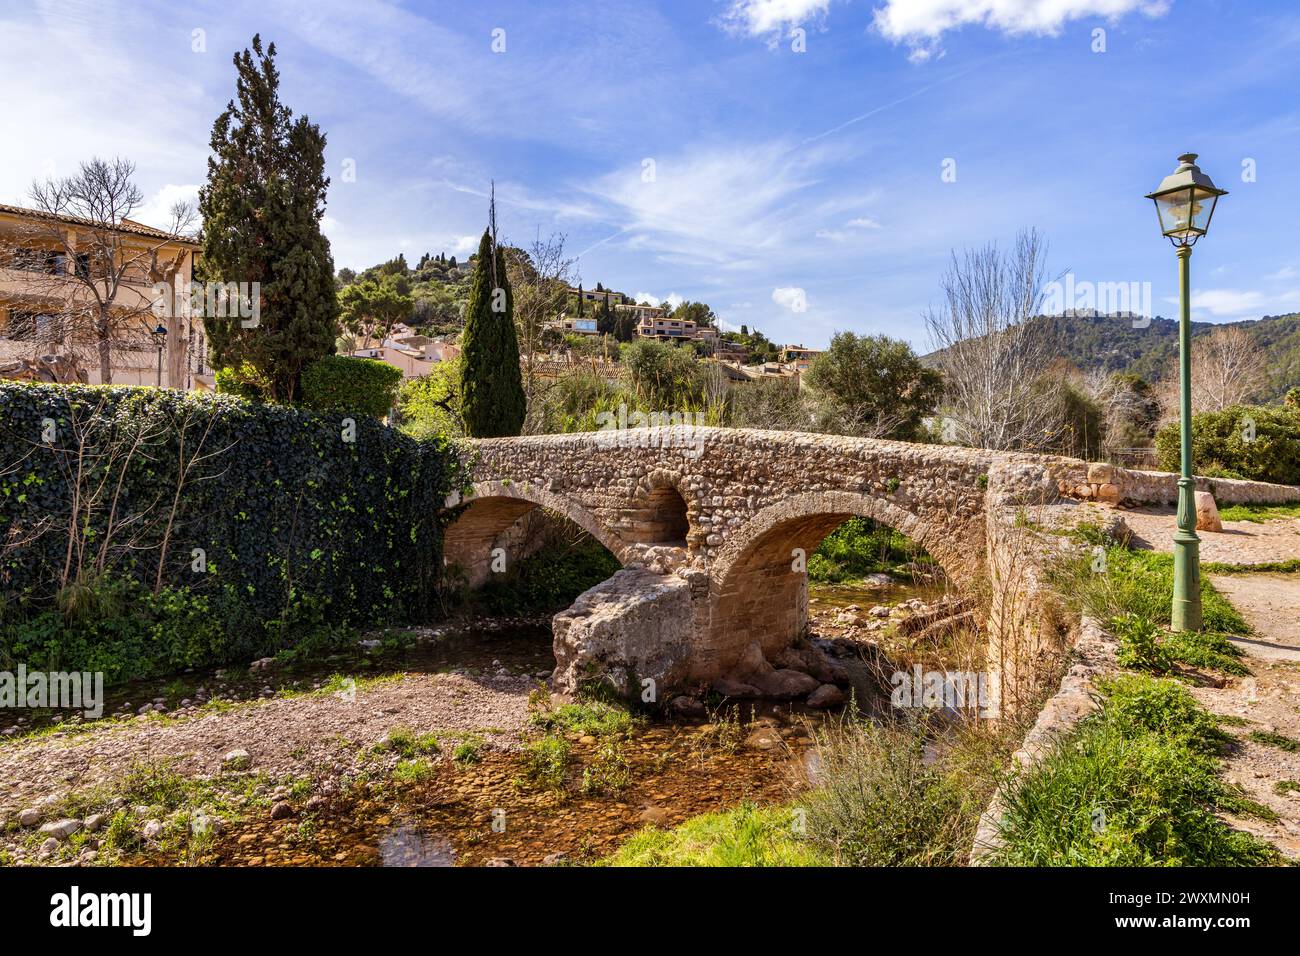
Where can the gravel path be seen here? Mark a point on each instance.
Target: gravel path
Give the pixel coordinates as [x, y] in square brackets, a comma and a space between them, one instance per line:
[1240, 542]
[295, 735]
[1266, 700]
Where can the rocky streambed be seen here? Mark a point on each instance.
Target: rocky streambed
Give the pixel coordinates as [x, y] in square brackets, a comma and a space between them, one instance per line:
[425, 747]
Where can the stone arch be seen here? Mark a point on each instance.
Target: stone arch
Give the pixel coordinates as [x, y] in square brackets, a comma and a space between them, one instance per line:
[755, 591]
[494, 508]
[658, 512]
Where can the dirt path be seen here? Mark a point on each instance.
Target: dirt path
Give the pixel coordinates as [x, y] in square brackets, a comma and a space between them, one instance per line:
[1240, 542]
[293, 735]
[1267, 702]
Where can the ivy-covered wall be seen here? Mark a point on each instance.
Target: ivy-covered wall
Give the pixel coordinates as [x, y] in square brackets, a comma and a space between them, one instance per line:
[264, 515]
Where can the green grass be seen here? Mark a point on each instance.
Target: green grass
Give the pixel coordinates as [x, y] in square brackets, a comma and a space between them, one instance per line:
[1290, 566]
[546, 762]
[1259, 513]
[885, 799]
[1284, 787]
[1145, 647]
[408, 744]
[1270, 739]
[1136, 784]
[745, 836]
[1139, 583]
[596, 718]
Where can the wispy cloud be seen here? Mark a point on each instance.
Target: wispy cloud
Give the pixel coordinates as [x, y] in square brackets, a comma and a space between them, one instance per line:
[922, 23]
[771, 19]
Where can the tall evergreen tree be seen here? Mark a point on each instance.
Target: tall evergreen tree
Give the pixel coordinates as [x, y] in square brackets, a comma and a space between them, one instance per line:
[491, 384]
[261, 209]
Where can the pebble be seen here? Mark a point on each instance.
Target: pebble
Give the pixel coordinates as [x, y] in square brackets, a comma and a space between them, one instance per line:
[236, 760]
[61, 829]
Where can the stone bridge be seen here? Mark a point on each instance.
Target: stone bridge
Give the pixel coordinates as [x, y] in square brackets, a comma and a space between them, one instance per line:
[714, 524]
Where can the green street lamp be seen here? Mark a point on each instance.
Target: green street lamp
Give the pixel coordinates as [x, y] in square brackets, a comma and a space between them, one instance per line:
[1185, 204]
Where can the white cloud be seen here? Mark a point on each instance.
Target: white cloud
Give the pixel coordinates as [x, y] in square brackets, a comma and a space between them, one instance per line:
[771, 18]
[1239, 303]
[791, 297]
[732, 206]
[921, 23]
[850, 229]
[1286, 272]
[157, 210]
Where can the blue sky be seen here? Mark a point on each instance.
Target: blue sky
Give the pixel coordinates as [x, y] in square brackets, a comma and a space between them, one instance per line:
[688, 149]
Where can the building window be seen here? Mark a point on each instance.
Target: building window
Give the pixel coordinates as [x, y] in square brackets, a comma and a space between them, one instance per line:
[29, 327]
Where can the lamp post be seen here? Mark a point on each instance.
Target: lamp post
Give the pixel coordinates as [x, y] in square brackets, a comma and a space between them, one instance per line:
[160, 339]
[1185, 203]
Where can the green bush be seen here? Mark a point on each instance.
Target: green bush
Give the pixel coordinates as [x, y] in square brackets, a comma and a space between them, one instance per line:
[341, 383]
[242, 382]
[860, 547]
[1137, 784]
[745, 836]
[221, 529]
[1138, 647]
[883, 799]
[1223, 446]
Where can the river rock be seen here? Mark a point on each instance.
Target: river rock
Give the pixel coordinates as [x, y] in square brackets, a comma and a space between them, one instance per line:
[786, 683]
[61, 829]
[654, 815]
[752, 666]
[236, 760]
[687, 708]
[1207, 513]
[29, 817]
[731, 688]
[827, 695]
[635, 626]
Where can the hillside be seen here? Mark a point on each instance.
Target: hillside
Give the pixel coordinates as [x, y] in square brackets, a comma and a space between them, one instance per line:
[1112, 344]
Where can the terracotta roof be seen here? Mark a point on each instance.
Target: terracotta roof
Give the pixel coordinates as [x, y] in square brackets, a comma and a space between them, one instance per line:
[127, 225]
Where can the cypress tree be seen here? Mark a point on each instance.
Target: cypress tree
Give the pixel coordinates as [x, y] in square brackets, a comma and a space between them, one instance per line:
[491, 385]
[261, 209]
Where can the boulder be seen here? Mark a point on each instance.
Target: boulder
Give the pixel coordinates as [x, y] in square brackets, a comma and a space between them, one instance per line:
[1207, 513]
[786, 684]
[632, 627]
[752, 666]
[731, 688]
[827, 695]
[687, 708]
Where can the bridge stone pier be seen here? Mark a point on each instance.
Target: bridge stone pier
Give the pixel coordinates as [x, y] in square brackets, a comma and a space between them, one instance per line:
[714, 526]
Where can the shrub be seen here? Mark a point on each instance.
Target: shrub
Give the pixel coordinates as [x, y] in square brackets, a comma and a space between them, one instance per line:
[1136, 784]
[341, 383]
[1224, 447]
[1137, 644]
[882, 801]
[247, 526]
[242, 381]
[745, 836]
